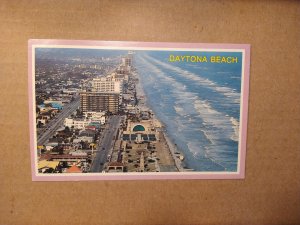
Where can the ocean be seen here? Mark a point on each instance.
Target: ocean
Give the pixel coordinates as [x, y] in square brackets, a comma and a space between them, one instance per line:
[199, 103]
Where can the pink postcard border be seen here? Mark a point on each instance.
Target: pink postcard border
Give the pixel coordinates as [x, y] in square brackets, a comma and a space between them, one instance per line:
[138, 176]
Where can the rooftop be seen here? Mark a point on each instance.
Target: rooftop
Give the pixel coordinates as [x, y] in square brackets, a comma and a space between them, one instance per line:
[47, 164]
[74, 169]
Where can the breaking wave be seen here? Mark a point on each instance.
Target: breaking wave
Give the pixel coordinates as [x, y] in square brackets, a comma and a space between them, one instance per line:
[207, 133]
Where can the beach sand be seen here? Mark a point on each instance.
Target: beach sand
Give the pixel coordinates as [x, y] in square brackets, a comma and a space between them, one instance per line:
[165, 148]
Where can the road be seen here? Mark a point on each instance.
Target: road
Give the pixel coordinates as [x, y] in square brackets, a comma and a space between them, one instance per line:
[105, 144]
[57, 121]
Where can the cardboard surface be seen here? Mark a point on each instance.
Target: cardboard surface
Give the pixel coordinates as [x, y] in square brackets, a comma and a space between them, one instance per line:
[270, 193]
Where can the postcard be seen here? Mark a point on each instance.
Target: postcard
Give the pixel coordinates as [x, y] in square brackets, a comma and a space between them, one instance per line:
[105, 110]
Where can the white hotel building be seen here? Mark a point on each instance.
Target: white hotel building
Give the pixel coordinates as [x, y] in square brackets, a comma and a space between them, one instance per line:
[77, 123]
[107, 85]
[82, 123]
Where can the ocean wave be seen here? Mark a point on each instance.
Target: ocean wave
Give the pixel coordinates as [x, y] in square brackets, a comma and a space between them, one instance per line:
[193, 146]
[221, 72]
[229, 92]
[215, 126]
[210, 116]
[203, 107]
[236, 126]
[179, 110]
[228, 127]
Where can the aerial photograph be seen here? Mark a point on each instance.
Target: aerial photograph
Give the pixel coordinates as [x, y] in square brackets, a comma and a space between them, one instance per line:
[136, 110]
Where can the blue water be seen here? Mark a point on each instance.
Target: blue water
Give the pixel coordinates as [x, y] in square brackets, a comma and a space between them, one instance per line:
[199, 103]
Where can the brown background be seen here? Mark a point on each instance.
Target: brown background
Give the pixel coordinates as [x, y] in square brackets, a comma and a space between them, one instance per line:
[270, 194]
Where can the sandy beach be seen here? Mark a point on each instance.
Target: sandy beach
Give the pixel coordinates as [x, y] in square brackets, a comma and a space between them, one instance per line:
[172, 148]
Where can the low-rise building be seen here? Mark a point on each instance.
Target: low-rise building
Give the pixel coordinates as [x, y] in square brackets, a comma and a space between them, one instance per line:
[74, 169]
[55, 104]
[85, 136]
[47, 166]
[96, 116]
[77, 123]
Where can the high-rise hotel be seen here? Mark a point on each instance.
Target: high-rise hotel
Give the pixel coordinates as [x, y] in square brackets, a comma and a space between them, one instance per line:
[98, 101]
[127, 60]
[106, 92]
[107, 84]
[104, 96]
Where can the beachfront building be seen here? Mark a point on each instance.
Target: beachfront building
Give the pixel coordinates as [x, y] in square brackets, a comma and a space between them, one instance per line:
[127, 60]
[107, 84]
[112, 83]
[122, 73]
[118, 77]
[99, 102]
[139, 132]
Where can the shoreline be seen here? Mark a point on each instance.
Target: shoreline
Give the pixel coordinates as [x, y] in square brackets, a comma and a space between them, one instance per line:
[173, 149]
[142, 104]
